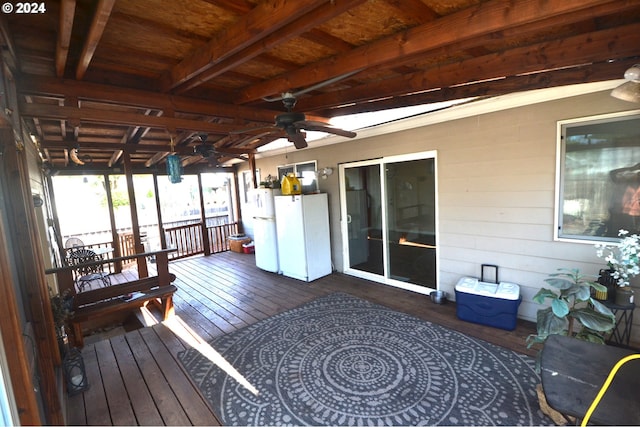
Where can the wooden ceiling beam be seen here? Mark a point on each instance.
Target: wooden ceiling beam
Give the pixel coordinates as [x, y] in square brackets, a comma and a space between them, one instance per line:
[114, 158]
[156, 158]
[586, 74]
[275, 37]
[239, 7]
[67, 14]
[100, 19]
[137, 148]
[473, 22]
[327, 40]
[120, 118]
[615, 43]
[263, 20]
[415, 9]
[46, 86]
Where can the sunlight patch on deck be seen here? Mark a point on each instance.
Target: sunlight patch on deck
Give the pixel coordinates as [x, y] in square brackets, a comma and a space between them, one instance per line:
[191, 338]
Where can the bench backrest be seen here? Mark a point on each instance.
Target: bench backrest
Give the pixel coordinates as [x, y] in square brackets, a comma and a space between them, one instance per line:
[101, 294]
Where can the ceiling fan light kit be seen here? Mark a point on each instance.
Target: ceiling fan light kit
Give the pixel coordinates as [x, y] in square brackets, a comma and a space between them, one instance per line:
[629, 90]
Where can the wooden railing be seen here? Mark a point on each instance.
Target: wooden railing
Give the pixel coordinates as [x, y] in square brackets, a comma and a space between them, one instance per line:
[127, 247]
[188, 239]
[218, 236]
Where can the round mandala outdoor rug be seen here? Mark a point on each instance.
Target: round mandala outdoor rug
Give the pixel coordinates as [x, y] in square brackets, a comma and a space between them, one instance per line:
[340, 360]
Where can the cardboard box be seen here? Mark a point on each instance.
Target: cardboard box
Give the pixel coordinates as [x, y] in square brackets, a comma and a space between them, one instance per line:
[491, 304]
[235, 244]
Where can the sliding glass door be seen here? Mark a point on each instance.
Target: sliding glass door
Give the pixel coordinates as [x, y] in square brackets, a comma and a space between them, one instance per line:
[389, 220]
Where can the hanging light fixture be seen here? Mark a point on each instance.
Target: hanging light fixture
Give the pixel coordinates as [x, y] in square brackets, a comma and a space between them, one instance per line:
[174, 168]
[629, 90]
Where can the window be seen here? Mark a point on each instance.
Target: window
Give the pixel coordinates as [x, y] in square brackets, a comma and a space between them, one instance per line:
[247, 183]
[306, 172]
[598, 184]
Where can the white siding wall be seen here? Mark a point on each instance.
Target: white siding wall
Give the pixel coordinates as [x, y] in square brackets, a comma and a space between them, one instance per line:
[496, 190]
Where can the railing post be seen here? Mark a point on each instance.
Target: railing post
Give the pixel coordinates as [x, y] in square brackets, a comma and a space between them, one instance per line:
[205, 238]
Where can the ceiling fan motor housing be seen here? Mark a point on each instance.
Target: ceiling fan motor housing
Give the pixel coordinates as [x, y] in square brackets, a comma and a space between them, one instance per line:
[285, 120]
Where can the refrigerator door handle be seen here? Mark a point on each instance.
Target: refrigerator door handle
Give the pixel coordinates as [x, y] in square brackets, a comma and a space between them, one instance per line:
[348, 219]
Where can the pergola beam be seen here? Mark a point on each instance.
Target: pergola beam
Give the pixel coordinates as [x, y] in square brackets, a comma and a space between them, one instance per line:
[67, 14]
[264, 19]
[475, 22]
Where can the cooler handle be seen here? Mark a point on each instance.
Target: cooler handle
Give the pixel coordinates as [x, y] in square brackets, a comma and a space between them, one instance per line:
[484, 266]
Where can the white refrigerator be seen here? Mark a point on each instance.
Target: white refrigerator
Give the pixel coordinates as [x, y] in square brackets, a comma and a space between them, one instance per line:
[304, 246]
[264, 230]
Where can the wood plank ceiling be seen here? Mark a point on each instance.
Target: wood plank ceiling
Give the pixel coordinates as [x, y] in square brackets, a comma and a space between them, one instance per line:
[113, 76]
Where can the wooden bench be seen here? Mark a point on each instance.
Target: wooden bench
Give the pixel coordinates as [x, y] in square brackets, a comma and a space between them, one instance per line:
[100, 302]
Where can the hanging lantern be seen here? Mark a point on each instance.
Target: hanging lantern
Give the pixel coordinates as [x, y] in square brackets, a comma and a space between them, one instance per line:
[74, 372]
[174, 168]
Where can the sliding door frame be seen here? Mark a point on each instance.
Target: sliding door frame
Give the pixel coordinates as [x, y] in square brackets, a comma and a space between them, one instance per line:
[385, 277]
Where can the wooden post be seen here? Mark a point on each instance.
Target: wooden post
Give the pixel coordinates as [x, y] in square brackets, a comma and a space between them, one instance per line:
[203, 218]
[21, 378]
[252, 165]
[117, 250]
[237, 191]
[142, 261]
[56, 221]
[163, 238]
[28, 257]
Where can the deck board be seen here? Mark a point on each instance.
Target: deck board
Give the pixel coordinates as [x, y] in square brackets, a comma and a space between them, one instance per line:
[139, 395]
[136, 378]
[117, 397]
[95, 400]
[170, 411]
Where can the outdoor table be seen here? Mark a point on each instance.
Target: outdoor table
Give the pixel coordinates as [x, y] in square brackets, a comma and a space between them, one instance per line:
[573, 372]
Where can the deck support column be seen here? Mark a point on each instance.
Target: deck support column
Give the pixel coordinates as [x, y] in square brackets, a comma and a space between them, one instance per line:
[135, 225]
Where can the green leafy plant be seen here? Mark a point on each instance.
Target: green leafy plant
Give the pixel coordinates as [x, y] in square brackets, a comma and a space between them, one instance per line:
[61, 307]
[572, 311]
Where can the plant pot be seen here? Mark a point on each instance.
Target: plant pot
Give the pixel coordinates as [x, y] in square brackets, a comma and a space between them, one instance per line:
[609, 282]
[63, 341]
[624, 296]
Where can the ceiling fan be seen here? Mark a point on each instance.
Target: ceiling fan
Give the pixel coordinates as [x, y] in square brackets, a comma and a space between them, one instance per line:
[204, 149]
[294, 124]
[209, 151]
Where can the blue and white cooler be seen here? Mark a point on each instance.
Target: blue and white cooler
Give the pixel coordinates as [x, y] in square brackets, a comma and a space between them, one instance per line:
[486, 303]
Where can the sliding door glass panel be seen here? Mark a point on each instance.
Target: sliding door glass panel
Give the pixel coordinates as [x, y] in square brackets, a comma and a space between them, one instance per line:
[410, 221]
[364, 218]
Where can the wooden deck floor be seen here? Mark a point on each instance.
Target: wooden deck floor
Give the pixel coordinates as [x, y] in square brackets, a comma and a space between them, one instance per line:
[136, 379]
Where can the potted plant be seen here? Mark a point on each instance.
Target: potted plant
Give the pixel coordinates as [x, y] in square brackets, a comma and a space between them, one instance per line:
[573, 312]
[623, 260]
[62, 308]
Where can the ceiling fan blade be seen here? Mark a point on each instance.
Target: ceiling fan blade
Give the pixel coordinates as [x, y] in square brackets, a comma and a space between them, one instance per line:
[298, 139]
[324, 127]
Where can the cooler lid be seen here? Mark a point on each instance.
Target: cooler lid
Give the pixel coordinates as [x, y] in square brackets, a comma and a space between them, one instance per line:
[502, 290]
